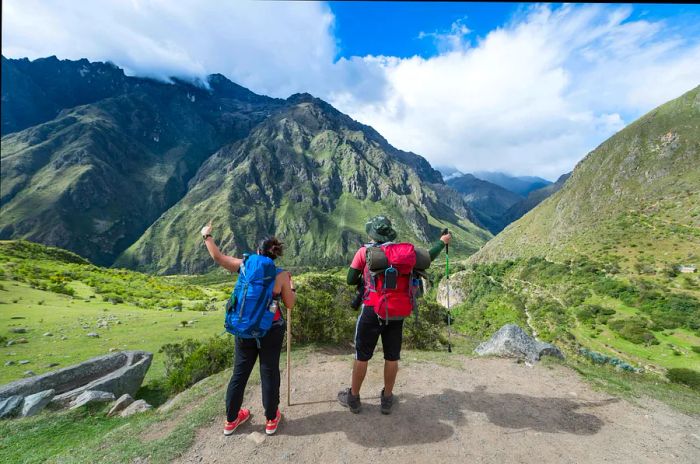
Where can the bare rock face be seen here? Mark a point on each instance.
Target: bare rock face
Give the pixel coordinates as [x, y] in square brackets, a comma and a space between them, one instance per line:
[457, 293]
[122, 403]
[136, 407]
[10, 406]
[91, 396]
[116, 373]
[512, 341]
[33, 404]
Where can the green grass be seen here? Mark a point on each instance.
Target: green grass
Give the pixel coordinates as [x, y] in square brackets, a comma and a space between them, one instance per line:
[64, 316]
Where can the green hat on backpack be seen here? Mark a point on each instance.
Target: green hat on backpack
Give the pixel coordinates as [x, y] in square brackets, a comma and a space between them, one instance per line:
[380, 230]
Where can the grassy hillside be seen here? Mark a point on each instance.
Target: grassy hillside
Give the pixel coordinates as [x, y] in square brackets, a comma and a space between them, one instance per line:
[48, 290]
[634, 200]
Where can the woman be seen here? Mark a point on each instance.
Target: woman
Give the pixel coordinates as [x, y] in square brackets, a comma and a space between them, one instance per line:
[247, 350]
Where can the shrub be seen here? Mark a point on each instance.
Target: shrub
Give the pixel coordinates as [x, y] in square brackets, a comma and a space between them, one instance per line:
[189, 362]
[424, 332]
[634, 330]
[198, 307]
[684, 376]
[696, 349]
[3, 340]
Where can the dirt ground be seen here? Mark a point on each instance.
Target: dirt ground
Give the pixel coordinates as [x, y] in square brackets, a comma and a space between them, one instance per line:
[489, 411]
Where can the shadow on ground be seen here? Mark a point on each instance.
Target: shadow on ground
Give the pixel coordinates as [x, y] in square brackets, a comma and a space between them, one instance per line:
[432, 418]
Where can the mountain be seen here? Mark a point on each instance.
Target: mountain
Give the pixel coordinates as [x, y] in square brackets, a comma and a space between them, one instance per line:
[521, 185]
[489, 202]
[449, 172]
[534, 198]
[92, 160]
[313, 176]
[93, 178]
[634, 200]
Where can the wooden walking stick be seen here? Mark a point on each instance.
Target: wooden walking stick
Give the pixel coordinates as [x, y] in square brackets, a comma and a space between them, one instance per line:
[289, 356]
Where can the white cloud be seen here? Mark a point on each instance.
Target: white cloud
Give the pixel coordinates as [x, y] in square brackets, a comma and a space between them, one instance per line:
[531, 97]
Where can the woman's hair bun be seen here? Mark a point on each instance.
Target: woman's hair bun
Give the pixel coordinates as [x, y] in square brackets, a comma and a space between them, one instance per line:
[271, 247]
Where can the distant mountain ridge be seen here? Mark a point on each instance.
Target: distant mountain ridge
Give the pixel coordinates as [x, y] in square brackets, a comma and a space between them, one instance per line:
[131, 152]
[522, 185]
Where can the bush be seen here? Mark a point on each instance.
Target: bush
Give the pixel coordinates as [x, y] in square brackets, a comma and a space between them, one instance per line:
[634, 330]
[696, 349]
[684, 376]
[3, 340]
[424, 333]
[189, 362]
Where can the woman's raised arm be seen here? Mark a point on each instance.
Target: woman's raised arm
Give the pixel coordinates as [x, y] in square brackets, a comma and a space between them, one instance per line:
[227, 262]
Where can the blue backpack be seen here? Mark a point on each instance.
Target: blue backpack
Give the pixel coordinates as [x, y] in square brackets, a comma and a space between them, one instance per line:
[248, 313]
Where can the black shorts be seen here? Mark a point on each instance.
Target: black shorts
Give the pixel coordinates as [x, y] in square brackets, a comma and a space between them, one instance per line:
[367, 331]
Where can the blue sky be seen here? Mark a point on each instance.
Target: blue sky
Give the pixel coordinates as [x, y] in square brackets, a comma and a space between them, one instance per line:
[527, 89]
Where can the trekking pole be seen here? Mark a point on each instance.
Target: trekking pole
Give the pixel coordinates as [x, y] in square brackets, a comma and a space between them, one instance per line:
[447, 277]
[289, 356]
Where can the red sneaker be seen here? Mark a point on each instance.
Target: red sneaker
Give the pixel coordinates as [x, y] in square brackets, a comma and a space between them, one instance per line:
[230, 427]
[271, 424]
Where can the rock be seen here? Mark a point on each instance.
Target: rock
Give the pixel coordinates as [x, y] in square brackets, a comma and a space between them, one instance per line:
[135, 407]
[512, 341]
[29, 374]
[63, 337]
[33, 404]
[117, 373]
[17, 341]
[50, 365]
[23, 362]
[91, 396]
[93, 335]
[9, 407]
[48, 334]
[457, 293]
[9, 363]
[18, 330]
[256, 437]
[121, 404]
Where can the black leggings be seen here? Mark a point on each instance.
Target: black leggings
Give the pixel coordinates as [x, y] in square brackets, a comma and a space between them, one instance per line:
[247, 352]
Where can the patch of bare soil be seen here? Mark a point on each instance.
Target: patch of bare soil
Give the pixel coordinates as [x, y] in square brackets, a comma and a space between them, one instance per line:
[489, 411]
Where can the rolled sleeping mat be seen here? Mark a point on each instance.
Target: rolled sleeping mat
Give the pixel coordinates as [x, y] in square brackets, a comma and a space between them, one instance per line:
[422, 259]
[376, 259]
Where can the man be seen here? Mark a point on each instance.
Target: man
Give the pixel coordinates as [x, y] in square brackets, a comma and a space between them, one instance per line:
[370, 326]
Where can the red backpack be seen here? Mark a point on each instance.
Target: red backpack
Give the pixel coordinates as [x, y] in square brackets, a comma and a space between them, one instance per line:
[388, 277]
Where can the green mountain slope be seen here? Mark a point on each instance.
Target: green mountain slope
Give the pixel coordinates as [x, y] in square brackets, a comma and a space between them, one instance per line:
[95, 177]
[634, 200]
[313, 176]
[489, 202]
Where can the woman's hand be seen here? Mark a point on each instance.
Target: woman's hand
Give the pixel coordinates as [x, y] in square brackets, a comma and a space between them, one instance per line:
[206, 230]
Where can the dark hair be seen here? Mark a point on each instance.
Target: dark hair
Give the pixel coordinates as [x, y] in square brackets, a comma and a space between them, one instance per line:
[271, 247]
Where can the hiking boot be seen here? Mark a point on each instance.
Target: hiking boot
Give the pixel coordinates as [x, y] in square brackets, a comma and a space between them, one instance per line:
[230, 427]
[271, 424]
[347, 399]
[387, 403]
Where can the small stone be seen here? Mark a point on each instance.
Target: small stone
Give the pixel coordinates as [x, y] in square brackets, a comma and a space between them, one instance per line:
[33, 404]
[135, 407]
[29, 374]
[50, 365]
[18, 330]
[23, 362]
[112, 350]
[256, 437]
[91, 396]
[9, 407]
[93, 335]
[9, 363]
[63, 337]
[573, 394]
[48, 334]
[121, 404]
[118, 322]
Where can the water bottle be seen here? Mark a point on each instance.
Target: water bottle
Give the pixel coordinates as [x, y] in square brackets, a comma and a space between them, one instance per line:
[274, 306]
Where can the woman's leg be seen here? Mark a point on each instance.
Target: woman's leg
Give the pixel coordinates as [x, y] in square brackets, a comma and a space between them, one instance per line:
[270, 348]
[246, 354]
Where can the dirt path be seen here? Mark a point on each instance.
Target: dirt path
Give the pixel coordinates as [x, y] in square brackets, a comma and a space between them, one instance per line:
[487, 411]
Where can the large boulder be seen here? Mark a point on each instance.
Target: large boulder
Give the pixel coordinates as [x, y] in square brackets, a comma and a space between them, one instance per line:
[457, 292]
[116, 373]
[512, 341]
[33, 404]
[91, 396]
[10, 406]
[135, 407]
